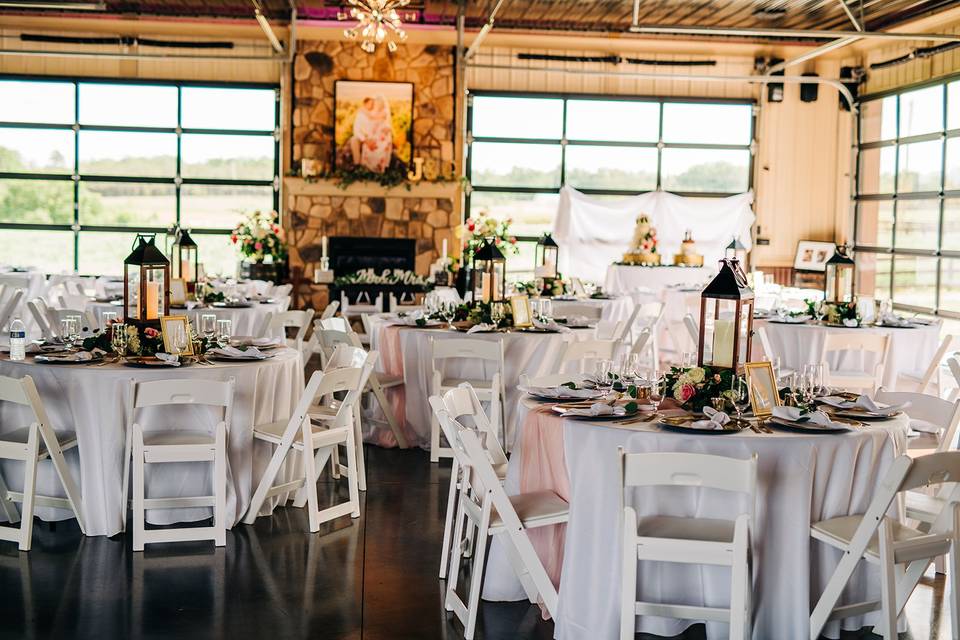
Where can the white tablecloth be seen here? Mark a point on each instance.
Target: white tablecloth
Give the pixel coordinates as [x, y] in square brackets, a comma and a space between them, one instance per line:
[616, 309]
[92, 401]
[911, 350]
[245, 320]
[801, 479]
[626, 279]
[524, 353]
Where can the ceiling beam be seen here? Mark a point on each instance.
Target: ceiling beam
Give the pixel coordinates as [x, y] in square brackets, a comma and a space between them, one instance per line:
[813, 53]
[853, 19]
[816, 34]
[488, 25]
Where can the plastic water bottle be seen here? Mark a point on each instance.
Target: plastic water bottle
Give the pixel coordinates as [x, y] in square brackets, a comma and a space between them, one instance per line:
[18, 340]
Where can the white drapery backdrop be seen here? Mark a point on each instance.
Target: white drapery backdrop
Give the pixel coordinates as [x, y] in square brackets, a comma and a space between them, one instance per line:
[593, 232]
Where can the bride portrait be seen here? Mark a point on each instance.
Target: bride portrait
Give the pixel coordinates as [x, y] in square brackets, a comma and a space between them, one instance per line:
[373, 124]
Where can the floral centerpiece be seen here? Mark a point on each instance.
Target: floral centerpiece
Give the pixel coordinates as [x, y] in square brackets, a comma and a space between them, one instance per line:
[259, 236]
[844, 313]
[551, 287]
[141, 341]
[694, 387]
[476, 230]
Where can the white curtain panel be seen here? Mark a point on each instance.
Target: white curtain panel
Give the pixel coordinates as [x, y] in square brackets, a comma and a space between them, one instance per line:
[594, 232]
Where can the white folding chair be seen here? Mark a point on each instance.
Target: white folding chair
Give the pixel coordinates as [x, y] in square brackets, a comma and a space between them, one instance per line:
[487, 508]
[461, 403]
[934, 418]
[693, 330]
[11, 306]
[56, 316]
[492, 390]
[364, 304]
[316, 432]
[903, 553]
[275, 324]
[589, 311]
[160, 446]
[692, 540]
[73, 301]
[32, 445]
[907, 381]
[583, 354]
[770, 353]
[38, 309]
[873, 347]
[330, 310]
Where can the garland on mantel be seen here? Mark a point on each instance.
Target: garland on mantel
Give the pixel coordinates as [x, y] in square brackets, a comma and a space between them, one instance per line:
[394, 176]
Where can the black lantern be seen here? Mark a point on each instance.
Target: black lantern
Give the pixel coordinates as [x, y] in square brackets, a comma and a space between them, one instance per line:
[840, 277]
[728, 300]
[185, 260]
[489, 274]
[546, 257]
[736, 250]
[169, 237]
[146, 283]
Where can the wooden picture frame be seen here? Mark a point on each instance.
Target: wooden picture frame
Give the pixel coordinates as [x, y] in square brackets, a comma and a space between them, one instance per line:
[812, 255]
[762, 384]
[178, 292]
[383, 137]
[168, 321]
[520, 307]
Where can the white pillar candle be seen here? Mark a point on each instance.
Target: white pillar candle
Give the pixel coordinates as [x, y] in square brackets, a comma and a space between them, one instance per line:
[723, 343]
[153, 300]
[443, 252]
[323, 247]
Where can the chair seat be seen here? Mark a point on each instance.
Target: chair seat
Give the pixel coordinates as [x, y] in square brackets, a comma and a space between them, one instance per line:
[450, 383]
[923, 442]
[177, 438]
[838, 532]
[535, 509]
[322, 436]
[922, 506]
[676, 528]
[66, 439]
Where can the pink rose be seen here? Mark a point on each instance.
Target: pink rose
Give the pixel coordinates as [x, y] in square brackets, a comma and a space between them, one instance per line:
[150, 332]
[687, 391]
[258, 246]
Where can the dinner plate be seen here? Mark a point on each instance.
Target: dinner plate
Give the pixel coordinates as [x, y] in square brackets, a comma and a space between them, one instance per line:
[685, 425]
[548, 398]
[863, 414]
[232, 305]
[538, 330]
[799, 320]
[52, 359]
[560, 409]
[806, 427]
[219, 358]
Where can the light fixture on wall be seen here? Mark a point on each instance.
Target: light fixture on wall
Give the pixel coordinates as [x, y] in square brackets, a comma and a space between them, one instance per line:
[377, 22]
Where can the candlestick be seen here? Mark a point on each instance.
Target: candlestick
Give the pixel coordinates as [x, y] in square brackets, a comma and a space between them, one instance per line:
[323, 247]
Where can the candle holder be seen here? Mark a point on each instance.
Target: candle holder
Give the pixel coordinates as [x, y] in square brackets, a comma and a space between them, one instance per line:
[146, 283]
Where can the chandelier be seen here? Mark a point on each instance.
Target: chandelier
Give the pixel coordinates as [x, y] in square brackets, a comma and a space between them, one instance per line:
[377, 22]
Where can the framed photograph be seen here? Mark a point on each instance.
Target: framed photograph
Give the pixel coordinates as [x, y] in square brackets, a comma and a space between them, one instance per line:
[178, 292]
[764, 395]
[520, 306]
[168, 326]
[373, 125]
[813, 255]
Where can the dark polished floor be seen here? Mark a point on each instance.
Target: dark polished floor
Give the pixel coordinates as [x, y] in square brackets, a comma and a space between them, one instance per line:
[374, 578]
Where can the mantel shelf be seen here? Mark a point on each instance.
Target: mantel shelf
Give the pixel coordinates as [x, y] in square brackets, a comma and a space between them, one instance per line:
[300, 187]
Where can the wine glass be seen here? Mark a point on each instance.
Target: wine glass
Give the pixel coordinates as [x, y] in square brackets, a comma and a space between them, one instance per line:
[178, 339]
[224, 332]
[535, 308]
[118, 338]
[496, 313]
[688, 360]
[208, 326]
[657, 392]
[546, 309]
[430, 303]
[739, 395]
[604, 367]
[69, 330]
[633, 366]
[448, 311]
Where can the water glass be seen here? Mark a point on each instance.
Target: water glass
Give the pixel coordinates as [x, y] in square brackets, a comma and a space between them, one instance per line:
[178, 339]
[604, 367]
[118, 338]
[208, 325]
[224, 331]
[535, 307]
[657, 390]
[688, 359]
[546, 309]
[70, 330]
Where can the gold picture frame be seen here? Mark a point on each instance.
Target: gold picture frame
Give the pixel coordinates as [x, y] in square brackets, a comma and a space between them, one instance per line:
[762, 383]
[520, 306]
[178, 292]
[165, 323]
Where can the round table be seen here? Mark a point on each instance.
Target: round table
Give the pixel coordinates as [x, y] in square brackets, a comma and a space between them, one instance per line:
[911, 349]
[405, 351]
[616, 309]
[625, 279]
[92, 401]
[246, 320]
[801, 479]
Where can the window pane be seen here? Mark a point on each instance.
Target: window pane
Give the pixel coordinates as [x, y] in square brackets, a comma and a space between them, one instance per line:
[227, 157]
[128, 105]
[515, 165]
[127, 204]
[629, 168]
[36, 202]
[220, 108]
[520, 266]
[920, 167]
[915, 281]
[878, 120]
[917, 224]
[950, 284]
[951, 225]
[50, 251]
[31, 101]
[707, 123]
[953, 105]
[220, 207]
[115, 153]
[36, 150]
[613, 120]
[875, 223]
[714, 170]
[217, 254]
[517, 117]
[103, 253]
[873, 274]
[877, 169]
[921, 111]
[532, 213]
[952, 177]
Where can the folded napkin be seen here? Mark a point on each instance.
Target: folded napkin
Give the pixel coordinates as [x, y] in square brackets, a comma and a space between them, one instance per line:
[412, 317]
[598, 409]
[561, 392]
[819, 418]
[168, 358]
[550, 325]
[866, 403]
[715, 419]
[894, 320]
[578, 321]
[482, 327]
[252, 353]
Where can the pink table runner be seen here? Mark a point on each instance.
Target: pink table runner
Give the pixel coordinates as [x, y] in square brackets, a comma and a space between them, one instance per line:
[391, 359]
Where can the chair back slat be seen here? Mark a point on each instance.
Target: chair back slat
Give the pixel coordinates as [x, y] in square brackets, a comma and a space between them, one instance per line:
[689, 470]
[468, 348]
[336, 323]
[463, 401]
[7, 311]
[171, 392]
[931, 470]
[330, 310]
[12, 390]
[346, 355]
